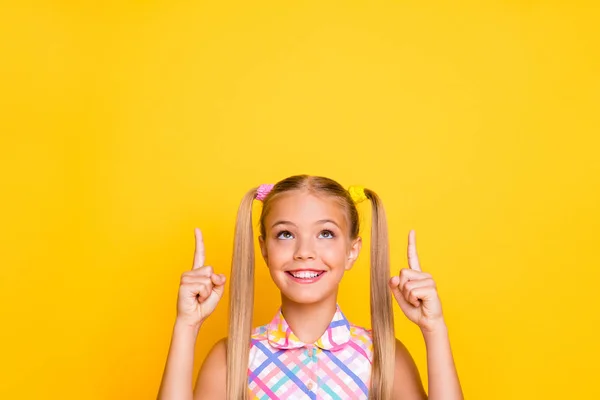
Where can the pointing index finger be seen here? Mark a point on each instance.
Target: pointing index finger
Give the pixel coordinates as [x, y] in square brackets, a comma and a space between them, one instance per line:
[413, 259]
[199, 251]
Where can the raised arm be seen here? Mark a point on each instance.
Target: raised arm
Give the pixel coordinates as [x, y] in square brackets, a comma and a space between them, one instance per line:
[199, 293]
[416, 294]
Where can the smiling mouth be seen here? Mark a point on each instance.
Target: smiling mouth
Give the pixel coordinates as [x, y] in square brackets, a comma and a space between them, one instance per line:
[305, 274]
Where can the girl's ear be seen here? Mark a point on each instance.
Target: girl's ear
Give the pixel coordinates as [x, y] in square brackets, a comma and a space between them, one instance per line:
[263, 248]
[354, 252]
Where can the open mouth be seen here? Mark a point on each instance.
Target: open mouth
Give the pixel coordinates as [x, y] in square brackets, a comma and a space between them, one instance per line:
[305, 275]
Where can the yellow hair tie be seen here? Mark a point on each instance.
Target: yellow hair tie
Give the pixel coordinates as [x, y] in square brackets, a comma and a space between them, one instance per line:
[357, 193]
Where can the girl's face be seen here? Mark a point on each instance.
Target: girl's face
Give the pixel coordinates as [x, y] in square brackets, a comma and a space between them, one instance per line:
[307, 246]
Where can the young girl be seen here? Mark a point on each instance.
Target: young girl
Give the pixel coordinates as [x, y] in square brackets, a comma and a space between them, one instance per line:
[309, 237]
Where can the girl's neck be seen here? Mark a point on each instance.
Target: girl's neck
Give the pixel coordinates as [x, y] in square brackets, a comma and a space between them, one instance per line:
[309, 321]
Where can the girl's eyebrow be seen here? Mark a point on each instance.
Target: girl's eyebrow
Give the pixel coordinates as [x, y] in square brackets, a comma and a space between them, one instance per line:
[321, 221]
[282, 223]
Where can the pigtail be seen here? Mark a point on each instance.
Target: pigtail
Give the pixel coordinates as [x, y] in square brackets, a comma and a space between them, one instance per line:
[382, 317]
[241, 302]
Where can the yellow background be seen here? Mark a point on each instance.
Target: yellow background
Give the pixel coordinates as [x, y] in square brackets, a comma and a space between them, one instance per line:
[125, 124]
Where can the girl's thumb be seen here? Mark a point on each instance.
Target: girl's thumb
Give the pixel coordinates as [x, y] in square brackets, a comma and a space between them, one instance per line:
[393, 284]
[219, 287]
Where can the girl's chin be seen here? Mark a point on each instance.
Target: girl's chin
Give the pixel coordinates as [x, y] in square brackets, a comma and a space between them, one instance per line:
[305, 300]
[307, 296]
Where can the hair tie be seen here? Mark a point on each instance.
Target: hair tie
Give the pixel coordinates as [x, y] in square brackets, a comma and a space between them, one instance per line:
[357, 193]
[263, 191]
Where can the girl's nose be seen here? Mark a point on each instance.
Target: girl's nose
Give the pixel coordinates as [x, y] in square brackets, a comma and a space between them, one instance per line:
[304, 250]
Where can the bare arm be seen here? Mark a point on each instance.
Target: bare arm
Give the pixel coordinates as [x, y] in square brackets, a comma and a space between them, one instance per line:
[177, 378]
[407, 381]
[441, 371]
[176, 383]
[199, 293]
[416, 294]
[212, 377]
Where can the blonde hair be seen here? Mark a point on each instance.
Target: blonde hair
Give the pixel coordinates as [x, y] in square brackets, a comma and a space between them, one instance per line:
[241, 290]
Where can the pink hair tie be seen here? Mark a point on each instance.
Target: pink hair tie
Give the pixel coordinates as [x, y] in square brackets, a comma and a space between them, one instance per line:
[263, 191]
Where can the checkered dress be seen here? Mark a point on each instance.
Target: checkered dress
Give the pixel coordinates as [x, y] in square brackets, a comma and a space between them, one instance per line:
[337, 366]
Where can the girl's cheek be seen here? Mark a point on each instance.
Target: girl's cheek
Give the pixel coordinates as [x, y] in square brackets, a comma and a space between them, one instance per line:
[332, 251]
[279, 248]
[331, 245]
[280, 244]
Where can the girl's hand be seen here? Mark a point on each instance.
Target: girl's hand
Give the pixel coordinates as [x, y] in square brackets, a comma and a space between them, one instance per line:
[416, 293]
[200, 289]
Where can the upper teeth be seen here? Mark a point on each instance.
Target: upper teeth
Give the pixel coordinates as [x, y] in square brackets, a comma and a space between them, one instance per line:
[305, 274]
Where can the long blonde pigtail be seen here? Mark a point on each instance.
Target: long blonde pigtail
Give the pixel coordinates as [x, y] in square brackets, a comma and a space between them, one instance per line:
[241, 301]
[382, 316]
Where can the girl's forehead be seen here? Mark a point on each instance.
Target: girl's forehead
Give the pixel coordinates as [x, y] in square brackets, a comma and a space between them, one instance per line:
[306, 207]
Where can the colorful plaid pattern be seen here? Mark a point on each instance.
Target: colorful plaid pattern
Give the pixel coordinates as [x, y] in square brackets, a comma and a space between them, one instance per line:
[335, 367]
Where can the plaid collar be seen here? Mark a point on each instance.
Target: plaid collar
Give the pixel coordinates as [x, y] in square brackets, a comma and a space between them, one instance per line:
[336, 335]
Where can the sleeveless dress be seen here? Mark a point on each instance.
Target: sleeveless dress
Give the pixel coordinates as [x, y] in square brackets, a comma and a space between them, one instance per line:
[337, 366]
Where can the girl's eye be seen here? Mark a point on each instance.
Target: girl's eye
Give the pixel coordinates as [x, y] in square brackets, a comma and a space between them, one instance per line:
[326, 234]
[286, 235]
